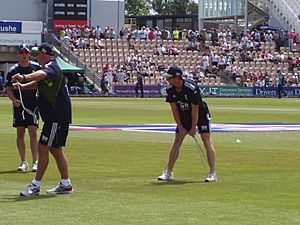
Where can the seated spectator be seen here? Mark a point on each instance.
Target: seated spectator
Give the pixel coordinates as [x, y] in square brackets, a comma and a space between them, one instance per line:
[144, 71]
[213, 71]
[228, 68]
[74, 90]
[99, 44]
[257, 46]
[105, 68]
[192, 47]
[268, 82]
[205, 62]
[173, 50]
[163, 50]
[295, 48]
[295, 79]
[214, 59]
[81, 44]
[157, 50]
[221, 65]
[87, 88]
[199, 73]
[189, 76]
[67, 40]
[151, 61]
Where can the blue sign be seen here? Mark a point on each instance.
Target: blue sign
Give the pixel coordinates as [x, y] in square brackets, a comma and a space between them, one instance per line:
[10, 27]
[272, 91]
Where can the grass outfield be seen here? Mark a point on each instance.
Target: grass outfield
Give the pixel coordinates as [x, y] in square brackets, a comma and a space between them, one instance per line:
[114, 172]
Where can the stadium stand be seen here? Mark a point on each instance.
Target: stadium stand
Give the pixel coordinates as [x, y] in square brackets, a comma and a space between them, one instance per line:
[249, 59]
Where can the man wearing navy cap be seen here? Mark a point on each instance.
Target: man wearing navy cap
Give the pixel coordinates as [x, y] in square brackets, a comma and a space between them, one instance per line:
[55, 110]
[21, 119]
[189, 112]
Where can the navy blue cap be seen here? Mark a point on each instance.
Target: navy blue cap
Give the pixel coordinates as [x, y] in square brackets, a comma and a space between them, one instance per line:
[45, 48]
[22, 47]
[173, 71]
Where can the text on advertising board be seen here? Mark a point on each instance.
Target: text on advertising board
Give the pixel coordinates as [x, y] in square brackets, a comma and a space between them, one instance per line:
[10, 27]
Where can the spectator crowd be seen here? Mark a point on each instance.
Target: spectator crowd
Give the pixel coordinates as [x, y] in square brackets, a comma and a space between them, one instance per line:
[247, 59]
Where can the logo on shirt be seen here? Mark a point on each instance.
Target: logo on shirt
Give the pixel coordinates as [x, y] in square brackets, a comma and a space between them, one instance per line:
[183, 106]
[49, 84]
[204, 127]
[44, 138]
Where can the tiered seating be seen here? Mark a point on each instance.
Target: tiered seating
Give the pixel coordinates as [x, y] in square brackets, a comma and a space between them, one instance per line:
[115, 52]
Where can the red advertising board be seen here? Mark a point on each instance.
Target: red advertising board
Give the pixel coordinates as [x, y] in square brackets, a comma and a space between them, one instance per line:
[59, 24]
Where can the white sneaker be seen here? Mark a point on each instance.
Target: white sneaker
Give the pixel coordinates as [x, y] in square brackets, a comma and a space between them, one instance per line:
[166, 175]
[60, 189]
[34, 166]
[23, 167]
[30, 190]
[211, 177]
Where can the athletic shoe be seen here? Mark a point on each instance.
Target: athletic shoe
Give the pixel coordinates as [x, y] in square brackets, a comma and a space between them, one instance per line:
[23, 167]
[166, 175]
[34, 166]
[30, 190]
[60, 189]
[211, 177]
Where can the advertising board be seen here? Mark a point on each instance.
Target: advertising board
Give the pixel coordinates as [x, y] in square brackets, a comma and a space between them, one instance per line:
[70, 13]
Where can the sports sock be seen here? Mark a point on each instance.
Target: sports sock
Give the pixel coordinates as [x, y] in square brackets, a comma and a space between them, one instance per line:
[66, 182]
[36, 183]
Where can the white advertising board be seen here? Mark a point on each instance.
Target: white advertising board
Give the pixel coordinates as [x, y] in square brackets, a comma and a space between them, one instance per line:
[18, 39]
[32, 27]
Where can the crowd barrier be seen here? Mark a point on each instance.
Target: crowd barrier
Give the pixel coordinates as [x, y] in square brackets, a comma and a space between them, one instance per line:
[213, 91]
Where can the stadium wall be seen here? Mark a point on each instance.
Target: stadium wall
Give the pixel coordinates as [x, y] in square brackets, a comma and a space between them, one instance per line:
[209, 91]
[19, 10]
[100, 12]
[107, 13]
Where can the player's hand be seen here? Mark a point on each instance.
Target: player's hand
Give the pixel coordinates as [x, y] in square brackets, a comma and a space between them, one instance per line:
[182, 131]
[16, 78]
[15, 86]
[17, 103]
[192, 132]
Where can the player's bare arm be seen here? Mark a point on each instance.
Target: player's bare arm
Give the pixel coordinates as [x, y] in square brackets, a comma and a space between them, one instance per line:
[182, 130]
[32, 85]
[10, 93]
[35, 76]
[195, 109]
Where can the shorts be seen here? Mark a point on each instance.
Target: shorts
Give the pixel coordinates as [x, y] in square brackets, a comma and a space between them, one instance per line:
[28, 120]
[54, 134]
[203, 124]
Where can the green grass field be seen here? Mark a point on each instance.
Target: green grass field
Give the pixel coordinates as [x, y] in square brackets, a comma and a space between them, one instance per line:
[114, 172]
